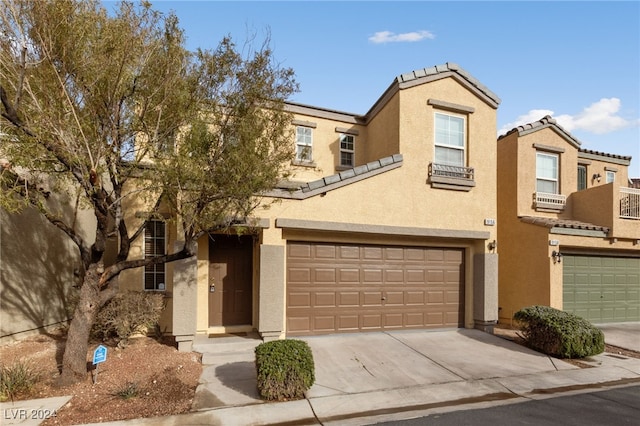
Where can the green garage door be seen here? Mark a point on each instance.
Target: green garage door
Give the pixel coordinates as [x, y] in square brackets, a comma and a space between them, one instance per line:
[602, 289]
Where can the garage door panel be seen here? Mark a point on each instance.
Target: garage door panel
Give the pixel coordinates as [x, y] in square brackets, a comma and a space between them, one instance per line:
[415, 276]
[602, 289]
[348, 299]
[325, 299]
[349, 275]
[394, 320]
[394, 276]
[348, 322]
[299, 275]
[371, 321]
[415, 297]
[394, 298]
[371, 298]
[299, 300]
[372, 275]
[324, 323]
[345, 288]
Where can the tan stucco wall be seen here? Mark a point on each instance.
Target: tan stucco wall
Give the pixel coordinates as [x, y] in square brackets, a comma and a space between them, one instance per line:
[403, 196]
[39, 267]
[527, 272]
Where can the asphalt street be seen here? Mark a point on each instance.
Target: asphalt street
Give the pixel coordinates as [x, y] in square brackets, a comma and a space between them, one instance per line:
[619, 406]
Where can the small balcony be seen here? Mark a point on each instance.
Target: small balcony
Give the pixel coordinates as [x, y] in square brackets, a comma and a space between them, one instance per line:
[546, 201]
[630, 203]
[615, 207]
[457, 178]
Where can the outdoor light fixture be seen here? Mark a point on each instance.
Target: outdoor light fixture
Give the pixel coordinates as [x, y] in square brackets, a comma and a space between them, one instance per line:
[557, 256]
[597, 177]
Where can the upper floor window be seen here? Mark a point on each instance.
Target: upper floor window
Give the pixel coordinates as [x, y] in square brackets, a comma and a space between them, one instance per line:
[547, 173]
[582, 177]
[611, 176]
[155, 244]
[449, 140]
[347, 150]
[304, 143]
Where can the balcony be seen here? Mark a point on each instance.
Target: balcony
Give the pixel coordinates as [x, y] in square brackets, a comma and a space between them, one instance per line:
[545, 201]
[630, 203]
[451, 177]
[615, 207]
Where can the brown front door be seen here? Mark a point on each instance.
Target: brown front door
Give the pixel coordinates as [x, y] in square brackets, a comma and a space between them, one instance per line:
[231, 273]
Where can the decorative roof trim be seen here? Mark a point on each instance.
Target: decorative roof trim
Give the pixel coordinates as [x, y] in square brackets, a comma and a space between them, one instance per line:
[450, 106]
[346, 177]
[304, 123]
[348, 131]
[548, 148]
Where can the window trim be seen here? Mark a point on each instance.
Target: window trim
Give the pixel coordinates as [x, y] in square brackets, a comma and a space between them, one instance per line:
[304, 161]
[352, 151]
[611, 173]
[156, 267]
[557, 177]
[436, 145]
[586, 173]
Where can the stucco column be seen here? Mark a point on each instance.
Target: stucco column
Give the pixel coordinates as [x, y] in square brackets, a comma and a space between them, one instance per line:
[185, 299]
[272, 292]
[485, 291]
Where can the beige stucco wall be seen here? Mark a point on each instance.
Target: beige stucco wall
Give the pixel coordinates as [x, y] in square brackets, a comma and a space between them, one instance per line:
[39, 267]
[528, 274]
[403, 197]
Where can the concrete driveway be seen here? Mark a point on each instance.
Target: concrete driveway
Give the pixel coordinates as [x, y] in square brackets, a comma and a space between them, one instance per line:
[622, 334]
[366, 362]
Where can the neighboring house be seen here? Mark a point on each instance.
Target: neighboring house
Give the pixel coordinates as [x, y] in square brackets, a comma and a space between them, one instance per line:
[387, 224]
[568, 226]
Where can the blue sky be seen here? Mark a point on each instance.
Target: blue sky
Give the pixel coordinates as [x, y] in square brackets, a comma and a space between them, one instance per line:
[576, 61]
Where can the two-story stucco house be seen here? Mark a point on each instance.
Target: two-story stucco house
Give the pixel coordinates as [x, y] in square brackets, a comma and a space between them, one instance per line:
[388, 223]
[569, 226]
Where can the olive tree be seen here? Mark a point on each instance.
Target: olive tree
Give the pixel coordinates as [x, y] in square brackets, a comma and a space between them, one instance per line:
[108, 106]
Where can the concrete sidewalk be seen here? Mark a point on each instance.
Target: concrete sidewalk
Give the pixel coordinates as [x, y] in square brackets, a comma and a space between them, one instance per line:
[368, 377]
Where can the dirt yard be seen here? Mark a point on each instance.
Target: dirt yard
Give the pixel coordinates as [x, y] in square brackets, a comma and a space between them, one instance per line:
[146, 379]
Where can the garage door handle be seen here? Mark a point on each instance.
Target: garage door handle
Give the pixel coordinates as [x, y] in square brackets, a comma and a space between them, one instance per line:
[384, 298]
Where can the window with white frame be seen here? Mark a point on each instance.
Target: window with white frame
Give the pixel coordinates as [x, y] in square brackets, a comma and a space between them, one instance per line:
[547, 173]
[611, 176]
[304, 144]
[450, 140]
[155, 244]
[347, 150]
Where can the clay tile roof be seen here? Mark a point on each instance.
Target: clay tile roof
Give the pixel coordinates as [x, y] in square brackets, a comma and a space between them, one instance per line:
[544, 122]
[604, 154]
[562, 223]
[446, 68]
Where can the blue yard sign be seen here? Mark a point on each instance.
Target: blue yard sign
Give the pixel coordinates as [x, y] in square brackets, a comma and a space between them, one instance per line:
[99, 355]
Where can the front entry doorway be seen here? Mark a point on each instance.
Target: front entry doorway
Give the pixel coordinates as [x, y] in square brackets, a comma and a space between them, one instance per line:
[230, 280]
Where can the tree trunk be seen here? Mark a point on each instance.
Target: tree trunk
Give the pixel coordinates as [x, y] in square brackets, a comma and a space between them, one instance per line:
[74, 360]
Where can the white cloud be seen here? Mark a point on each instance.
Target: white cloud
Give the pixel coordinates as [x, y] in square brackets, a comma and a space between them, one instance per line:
[389, 37]
[599, 118]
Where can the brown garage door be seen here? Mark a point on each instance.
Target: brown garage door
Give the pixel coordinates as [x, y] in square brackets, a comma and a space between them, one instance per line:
[348, 288]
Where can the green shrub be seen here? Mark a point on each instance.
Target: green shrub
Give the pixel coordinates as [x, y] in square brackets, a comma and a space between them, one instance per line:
[285, 369]
[15, 379]
[128, 313]
[128, 391]
[558, 333]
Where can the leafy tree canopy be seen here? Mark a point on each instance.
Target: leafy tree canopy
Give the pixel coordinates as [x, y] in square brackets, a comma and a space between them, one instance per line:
[110, 108]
